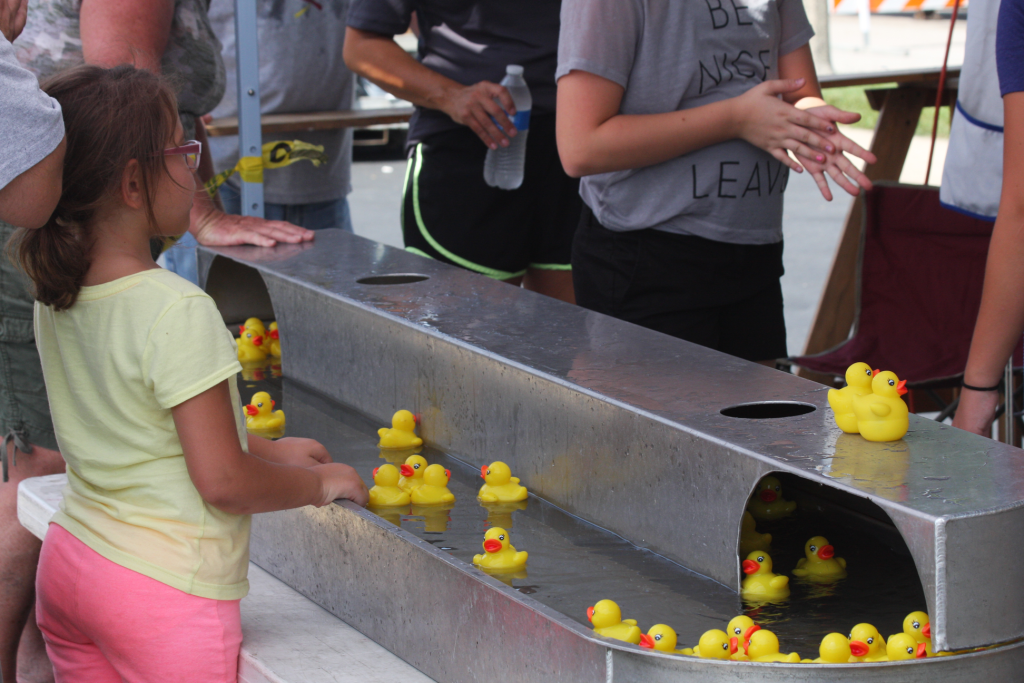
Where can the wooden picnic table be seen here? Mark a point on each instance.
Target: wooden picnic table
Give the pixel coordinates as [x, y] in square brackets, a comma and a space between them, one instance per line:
[318, 120]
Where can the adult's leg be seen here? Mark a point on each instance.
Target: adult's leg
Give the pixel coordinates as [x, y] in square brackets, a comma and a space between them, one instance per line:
[19, 553]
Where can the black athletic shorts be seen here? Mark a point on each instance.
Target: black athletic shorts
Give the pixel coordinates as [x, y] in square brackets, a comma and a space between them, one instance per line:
[449, 213]
[724, 296]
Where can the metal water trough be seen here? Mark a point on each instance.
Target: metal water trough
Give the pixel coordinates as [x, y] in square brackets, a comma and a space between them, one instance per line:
[500, 373]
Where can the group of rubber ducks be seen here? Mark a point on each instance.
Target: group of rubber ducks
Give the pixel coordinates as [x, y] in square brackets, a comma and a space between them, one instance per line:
[418, 483]
[870, 404]
[256, 342]
[744, 640]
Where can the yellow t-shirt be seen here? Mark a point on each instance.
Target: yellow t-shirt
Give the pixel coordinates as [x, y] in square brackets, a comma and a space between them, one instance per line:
[115, 364]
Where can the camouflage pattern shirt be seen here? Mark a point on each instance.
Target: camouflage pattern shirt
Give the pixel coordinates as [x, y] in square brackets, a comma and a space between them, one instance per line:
[51, 42]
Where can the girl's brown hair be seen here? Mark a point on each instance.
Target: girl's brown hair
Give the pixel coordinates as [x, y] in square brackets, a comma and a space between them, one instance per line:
[111, 116]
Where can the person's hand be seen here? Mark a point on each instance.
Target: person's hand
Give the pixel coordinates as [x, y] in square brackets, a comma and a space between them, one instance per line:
[778, 127]
[836, 164]
[341, 481]
[299, 452]
[13, 14]
[218, 229]
[976, 411]
[474, 105]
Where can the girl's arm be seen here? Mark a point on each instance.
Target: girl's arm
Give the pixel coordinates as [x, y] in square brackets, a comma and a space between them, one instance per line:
[1001, 317]
[241, 483]
[593, 137]
[800, 65]
[290, 451]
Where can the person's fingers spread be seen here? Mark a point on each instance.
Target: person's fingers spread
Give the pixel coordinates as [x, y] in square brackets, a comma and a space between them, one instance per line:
[781, 155]
[842, 181]
[808, 120]
[823, 187]
[505, 97]
[800, 149]
[847, 168]
[782, 86]
[850, 147]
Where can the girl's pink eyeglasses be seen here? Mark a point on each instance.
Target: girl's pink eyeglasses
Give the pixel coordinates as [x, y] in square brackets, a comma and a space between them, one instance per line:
[191, 150]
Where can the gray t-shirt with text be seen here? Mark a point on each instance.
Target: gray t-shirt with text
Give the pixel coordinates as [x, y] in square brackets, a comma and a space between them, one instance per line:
[31, 125]
[671, 55]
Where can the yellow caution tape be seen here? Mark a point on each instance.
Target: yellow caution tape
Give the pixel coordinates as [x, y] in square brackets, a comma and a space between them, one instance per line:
[275, 155]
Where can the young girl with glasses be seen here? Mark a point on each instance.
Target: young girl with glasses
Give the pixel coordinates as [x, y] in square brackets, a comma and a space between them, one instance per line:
[144, 565]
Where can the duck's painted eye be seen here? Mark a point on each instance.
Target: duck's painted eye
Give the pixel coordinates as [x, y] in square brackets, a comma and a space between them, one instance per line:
[850, 637]
[260, 404]
[910, 650]
[814, 548]
[892, 383]
[916, 624]
[416, 466]
[488, 471]
[738, 631]
[502, 537]
[725, 646]
[760, 558]
[868, 372]
[778, 488]
[657, 637]
[871, 640]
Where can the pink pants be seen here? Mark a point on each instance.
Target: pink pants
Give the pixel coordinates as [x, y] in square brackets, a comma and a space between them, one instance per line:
[106, 624]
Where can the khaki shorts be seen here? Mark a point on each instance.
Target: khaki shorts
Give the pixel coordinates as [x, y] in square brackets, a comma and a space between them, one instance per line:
[24, 408]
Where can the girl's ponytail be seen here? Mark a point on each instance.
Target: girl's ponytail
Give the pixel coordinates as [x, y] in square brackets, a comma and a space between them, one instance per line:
[111, 116]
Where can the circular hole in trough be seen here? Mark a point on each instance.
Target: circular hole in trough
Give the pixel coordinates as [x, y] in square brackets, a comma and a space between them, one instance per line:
[396, 279]
[768, 410]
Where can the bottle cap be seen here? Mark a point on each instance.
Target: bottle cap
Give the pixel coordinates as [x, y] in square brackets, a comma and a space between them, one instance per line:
[514, 70]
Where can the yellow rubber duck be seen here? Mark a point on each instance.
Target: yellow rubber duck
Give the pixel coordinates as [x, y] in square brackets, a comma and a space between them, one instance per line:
[716, 644]
[867, 644]
[820, 562]
[412, 472]
[882, 415]
[261, 416]
[858, 383]
[434, 490]
[273, 340]
[750, 539]
[918, 626]
[760, 583]
[764, 647]
[741, 628]
[499, 552]
[607, 619]
[903, 646]
[499, 484]
[767, 502]
[834, 649]
[402, 433]
[660, 637]
[250, 347]
[385, 492]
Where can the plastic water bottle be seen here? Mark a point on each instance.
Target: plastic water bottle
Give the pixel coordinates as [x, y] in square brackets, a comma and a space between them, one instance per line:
[503, 167]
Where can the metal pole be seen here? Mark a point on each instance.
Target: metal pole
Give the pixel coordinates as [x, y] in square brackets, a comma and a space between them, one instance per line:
[1008, 436]
[250, 138]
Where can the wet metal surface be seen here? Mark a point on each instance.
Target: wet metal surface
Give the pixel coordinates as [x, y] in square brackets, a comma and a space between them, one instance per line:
[622, 426]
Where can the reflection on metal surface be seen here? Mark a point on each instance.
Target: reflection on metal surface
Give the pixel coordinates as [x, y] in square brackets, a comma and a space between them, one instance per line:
[621, 425]
[768, 410]
[396, 279]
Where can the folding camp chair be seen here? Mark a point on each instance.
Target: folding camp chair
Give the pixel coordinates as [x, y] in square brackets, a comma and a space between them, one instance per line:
[921, 269]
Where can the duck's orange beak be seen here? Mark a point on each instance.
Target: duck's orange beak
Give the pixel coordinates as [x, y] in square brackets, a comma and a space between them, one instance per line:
[858, 649]
[241, 329]
[492, 546]
[734, 645]
[273, 404]
[901, 387]
[826, 552]
[375, 471]
[416, 418]
[407, 470]
[274, 334]
[927, 631]
[483, 472]
[767, 495]
[646, 641]
[750, 567]
[590, 614]
[448, 473]
[746, 636]
[257, 340]
[875, 372]
[252, 410]
[922, 651]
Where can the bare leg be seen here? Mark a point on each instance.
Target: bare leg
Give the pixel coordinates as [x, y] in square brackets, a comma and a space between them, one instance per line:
[33, 664]
[19, 554]
[554, 283]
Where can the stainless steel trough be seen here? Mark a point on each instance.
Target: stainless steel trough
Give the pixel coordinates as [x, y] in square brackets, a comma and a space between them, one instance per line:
[618, 425]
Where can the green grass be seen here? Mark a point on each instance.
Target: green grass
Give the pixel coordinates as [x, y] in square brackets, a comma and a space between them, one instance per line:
[853, 99]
